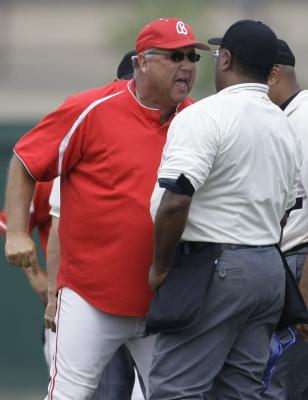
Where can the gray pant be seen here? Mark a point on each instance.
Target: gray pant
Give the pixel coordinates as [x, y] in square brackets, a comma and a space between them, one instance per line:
[282, 387]
[224, 355]
[118, 378]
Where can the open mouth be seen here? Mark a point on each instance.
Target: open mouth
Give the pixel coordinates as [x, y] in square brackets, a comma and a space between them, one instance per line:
[182, 83]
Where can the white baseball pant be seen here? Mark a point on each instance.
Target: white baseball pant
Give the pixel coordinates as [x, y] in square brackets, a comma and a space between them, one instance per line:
[86, 339]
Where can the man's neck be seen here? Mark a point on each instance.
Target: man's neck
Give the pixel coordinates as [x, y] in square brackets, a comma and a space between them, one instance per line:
[165, 111]
[291, 90]
[165, 114]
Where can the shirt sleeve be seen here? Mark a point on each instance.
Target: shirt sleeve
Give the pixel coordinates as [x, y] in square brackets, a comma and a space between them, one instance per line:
[299, 119]
[54, 199]
[296, 188]
[55, 143]
[2, 221]
[191, 147]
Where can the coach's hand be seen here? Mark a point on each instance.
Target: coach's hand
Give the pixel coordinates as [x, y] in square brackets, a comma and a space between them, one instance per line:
[50, 313]
[20, 250]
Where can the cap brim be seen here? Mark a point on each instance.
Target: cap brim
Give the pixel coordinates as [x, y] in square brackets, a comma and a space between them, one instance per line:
[215, 41]
[202, 46]
[184, 43]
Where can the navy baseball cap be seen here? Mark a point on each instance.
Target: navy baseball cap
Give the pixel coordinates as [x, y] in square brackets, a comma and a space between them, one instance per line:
[252, 42]
[284, 55]
[125, 69]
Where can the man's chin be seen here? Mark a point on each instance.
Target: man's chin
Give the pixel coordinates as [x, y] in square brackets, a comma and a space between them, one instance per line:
[180, 96]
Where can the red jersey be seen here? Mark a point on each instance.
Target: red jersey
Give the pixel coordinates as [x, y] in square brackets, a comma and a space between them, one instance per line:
[107, 148]
[39, 213]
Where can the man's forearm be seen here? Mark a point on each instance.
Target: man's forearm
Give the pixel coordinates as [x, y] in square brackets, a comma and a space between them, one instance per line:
[53, 258]
[19, 247]
[19, 193]
[38, 283]
[170, 223]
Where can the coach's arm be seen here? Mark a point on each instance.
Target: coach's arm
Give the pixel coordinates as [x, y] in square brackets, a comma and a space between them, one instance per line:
[53, 261]
[19, 248]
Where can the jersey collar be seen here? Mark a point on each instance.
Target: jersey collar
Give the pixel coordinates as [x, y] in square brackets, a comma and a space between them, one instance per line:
[150, 113]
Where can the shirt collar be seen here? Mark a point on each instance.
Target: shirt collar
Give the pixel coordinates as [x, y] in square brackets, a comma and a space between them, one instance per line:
[131, 86]
[296, 102]
[152, 113]
[244, 87]
[288, 101]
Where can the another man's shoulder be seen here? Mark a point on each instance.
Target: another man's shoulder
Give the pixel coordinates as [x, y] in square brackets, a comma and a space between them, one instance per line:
[193, 106]
[299, 103]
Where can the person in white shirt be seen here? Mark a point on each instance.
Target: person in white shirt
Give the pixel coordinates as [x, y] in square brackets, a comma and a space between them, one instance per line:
[290, 377]
[228, 176]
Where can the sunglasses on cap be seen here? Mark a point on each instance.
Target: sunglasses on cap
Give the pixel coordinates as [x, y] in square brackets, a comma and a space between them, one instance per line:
[177, 56]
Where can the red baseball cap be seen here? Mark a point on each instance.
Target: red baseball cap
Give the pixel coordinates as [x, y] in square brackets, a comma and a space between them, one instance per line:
[167, 33]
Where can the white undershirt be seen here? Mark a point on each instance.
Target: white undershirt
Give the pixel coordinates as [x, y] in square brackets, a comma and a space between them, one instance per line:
[54, 199]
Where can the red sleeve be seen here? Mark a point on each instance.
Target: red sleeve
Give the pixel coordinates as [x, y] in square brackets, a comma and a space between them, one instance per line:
[3, 221]
[41, 147]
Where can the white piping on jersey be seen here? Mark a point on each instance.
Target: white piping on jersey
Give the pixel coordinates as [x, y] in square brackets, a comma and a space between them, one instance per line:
[149, 108]
[67, 137]
[134, 96]
[21, 160]
[2, 224]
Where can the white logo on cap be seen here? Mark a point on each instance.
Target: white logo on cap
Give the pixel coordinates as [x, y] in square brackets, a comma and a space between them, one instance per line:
[181, 28]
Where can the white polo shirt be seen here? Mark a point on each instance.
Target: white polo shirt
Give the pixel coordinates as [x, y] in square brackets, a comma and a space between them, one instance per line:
[242, 157]
[296, 231]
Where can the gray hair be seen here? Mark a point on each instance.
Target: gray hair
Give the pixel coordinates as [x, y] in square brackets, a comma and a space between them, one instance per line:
[145, 53]
[135, 62]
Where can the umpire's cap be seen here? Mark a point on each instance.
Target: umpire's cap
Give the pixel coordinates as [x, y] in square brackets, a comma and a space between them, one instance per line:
[125, 69]
[252, 42]
[284, 55]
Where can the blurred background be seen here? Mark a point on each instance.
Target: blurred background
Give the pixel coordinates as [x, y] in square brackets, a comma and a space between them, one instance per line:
[51, 49]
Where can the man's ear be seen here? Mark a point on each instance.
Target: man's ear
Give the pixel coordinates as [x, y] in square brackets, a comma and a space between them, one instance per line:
[143, 62]
[226, 60]
[274, 76]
